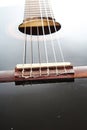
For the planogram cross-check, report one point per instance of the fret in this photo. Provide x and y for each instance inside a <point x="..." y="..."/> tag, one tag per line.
<point x="37" y="11"/>
<point x="34" y="4"/>
<point x="32" y="9"/>
<point x="36" y="14"/>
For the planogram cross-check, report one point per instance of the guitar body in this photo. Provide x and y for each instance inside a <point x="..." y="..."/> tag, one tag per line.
<point x="59" y="106"/>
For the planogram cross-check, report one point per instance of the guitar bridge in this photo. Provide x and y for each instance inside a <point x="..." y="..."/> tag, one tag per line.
<point x="44" y="73"/>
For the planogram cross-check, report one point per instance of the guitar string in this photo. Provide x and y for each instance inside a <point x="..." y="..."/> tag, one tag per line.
<point x="31" y="55"/>
<point x="24" y="50"/>
<point x="56" y="31"/>
<point x="44" y="38"/>
<point x="43" y="31"/>
<point x="39" y="53"/>
<point x="25" y="46"/>
<point x="58" y="41"/>
<point x="44" y="42"/>
<point x="45" y="49"/>
<point x="53" y="49"/>
<point x="31" y="51"/>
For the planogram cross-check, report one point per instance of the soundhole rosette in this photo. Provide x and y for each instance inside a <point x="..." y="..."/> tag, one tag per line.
<point x="38" y="26"/>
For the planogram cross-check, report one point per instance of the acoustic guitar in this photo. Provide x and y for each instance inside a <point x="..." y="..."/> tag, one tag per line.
<point x="39" y="22"/>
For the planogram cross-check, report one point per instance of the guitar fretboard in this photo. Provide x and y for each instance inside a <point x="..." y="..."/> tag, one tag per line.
<point x="37" y="8"/>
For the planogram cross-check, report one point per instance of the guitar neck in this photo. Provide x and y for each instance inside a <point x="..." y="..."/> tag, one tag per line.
<point x="37" y="8"/>
<point x="38" y="15"/>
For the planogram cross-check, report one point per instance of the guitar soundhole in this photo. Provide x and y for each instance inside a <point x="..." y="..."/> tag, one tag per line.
<point x="40" y="29"/>
<point x="44" y="26"/>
